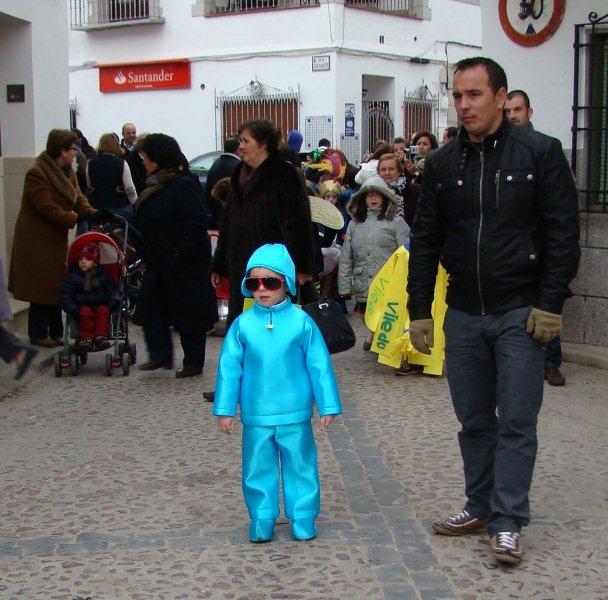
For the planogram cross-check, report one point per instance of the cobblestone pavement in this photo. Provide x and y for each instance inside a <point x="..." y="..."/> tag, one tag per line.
<point x="123" y="488"/>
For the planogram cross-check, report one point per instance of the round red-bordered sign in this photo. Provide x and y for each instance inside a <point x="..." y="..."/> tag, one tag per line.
<point x="530" y="36"/>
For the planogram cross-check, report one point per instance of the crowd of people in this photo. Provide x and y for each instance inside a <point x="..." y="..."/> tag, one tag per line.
<point x="495" y="205"/>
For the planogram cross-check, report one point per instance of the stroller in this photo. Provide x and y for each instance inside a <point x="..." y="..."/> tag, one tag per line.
<point x="73" y="356"/>
<point x="129" y="239"/>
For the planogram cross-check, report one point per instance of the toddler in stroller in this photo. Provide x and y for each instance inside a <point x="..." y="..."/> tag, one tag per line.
<point x="94" y="297"/>
<point x="88" y="294"/>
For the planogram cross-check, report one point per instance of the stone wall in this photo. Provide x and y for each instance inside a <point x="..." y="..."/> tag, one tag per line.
<point x="586" y="313"/>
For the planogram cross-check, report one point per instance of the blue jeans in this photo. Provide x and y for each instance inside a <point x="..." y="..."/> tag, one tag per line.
<point x="553" y="354"/>
<point x="494" y="366"/>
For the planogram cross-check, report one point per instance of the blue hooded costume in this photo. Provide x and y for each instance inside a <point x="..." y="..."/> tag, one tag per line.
<point x="274" y="363"/>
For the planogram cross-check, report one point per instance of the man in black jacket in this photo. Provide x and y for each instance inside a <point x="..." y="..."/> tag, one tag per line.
<point x="499" y="210"/>
<point x="519" y="112"/>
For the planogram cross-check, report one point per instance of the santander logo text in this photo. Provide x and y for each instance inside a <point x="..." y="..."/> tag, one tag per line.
<point x="145" y="76"/>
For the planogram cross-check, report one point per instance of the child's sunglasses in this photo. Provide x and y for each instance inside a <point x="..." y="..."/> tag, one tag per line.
<point x="270" y="283"/>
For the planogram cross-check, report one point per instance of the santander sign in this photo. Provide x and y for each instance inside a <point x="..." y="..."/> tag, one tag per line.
<point x="145" y="76"/>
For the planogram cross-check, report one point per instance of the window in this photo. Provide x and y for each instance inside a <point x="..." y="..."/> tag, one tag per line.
<point x="590" y="112"/>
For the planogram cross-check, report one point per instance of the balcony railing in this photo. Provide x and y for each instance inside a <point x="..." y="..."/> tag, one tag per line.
<point x="405" y="8"/>
<point x="103" y="14"/>
<point x="221" y="7"/>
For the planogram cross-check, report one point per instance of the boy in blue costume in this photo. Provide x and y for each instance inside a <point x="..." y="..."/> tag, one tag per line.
<point x="274" y="363"/>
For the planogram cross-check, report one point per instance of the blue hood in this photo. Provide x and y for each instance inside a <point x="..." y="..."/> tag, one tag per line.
<point x="276" y="258"/>
<point x="294" y="140"/>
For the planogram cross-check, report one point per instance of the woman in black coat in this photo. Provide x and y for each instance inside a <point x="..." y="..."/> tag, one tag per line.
<point x="177" y="254"/>
<point x="268" y="204"/>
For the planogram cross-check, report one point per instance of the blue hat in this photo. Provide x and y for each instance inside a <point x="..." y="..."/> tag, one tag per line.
<point x="294" y="140"/>
<point x="276" y="258"/>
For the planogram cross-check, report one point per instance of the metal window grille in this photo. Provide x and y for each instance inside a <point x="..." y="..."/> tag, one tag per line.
<point x="590" y="112"/>
<point x="280" y="108"/>
<point x="220" y="7"/>
<point x="377" y="124"/>
<point x="419" y="112"/>
<point x="407" y="8"/>
<point x="88" y="13"/>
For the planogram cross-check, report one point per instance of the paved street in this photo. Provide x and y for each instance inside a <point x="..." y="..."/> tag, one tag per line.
<point x="123" y="488"/>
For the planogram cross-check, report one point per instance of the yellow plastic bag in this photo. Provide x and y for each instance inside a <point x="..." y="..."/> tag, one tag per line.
<point x="387" y="316"/>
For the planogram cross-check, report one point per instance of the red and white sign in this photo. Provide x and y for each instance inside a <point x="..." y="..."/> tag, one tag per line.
<point x="145" y="76"/>
<point x="530" y="22"/>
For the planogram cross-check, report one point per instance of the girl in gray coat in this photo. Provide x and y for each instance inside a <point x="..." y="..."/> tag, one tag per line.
<point x="374" y="233"/>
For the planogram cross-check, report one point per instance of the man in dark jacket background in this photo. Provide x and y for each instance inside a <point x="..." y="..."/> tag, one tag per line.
<point x="222" y="167"/>
<point x="499" y="209"/>
<point x="519" y="112"/>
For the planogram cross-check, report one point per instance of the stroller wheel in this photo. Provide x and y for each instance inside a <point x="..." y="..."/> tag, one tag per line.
<point x="126" y="364"/>
<point x="109" y="365"/>
<point x="121" y="349"/>
<point x="133" y="353"/>
<point x="74" y="364"/>
<point x="57" y="364"/>
<point x="83" y="357"/>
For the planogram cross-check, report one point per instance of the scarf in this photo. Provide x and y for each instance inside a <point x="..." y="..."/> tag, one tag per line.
<point x="62" y="180"/>
<point x="399" y="186"/>
<point x="156" y="182"/>
<point x="90" y="279"/>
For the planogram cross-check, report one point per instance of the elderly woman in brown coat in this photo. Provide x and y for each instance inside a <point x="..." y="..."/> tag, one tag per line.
<point x="51" y="205"/>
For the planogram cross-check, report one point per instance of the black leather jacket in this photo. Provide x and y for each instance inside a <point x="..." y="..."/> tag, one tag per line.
<point x="503" y="220"/>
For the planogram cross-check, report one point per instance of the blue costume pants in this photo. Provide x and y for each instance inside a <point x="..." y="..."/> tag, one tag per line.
<point x="294" y="446"/>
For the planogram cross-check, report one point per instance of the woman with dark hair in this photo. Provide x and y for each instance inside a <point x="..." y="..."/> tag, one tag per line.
<point x="84" y="152"/>
<point x="426" y="142"/>
<point x="51" y="205"/>
<point x="268" y="203"/>
<point x="177" y="253"/>
<point x="85" y="147"/>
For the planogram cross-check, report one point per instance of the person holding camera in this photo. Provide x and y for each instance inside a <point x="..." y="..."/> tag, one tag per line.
<point x="423" y="143"/>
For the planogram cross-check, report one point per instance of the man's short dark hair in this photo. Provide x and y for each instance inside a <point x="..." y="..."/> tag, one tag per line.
<point x="496" y="74"/>
<point x="231" y="144"/>
<point x="324" y="142"/>
<point x="521" y="93"/>
<point x="452" y="132"/>
<point x="399" y="140"/>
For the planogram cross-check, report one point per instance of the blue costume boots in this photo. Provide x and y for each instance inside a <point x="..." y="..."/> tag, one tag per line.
<point x="303" y="529"/>
<point x="261" y="530"/>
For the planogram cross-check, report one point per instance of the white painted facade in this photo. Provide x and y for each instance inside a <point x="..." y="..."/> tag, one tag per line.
<point x="274" y="47"/>
<point x="33" y="53"/>
<point x="546" y="73"/>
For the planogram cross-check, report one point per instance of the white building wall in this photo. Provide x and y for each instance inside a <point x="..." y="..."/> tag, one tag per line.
<point x="229" y="51"/>
<point x="545" y="72"/>
<point x="33" y="52"/>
